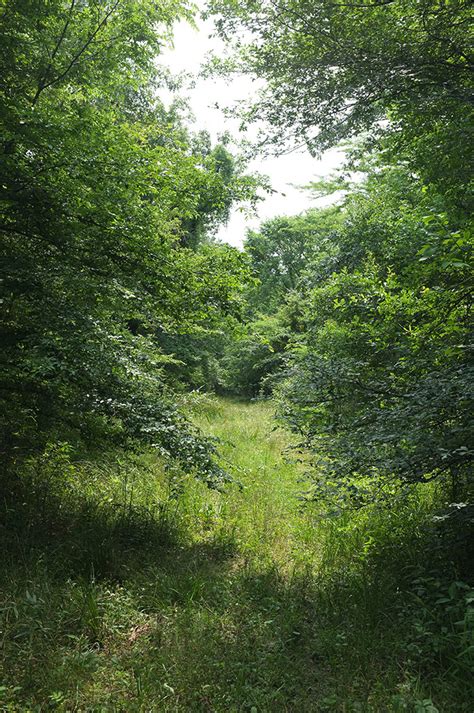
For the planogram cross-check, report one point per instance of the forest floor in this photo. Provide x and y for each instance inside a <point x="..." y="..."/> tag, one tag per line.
<point x="126" y="588"/>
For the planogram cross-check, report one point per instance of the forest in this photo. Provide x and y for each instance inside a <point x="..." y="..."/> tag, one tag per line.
<point x="236" y="478"/>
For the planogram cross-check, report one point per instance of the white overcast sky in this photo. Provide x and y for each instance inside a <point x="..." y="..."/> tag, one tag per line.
<point x="191" y="48"/>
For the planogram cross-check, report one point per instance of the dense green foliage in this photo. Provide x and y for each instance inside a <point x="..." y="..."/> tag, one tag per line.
<point x="380" y="383"/>
<point x="280" y="251"/>
<point x="336" y="574"/>
<point x="278" y="254"/>
<point x="105" y="199"/>
<point x="379" y="372"/>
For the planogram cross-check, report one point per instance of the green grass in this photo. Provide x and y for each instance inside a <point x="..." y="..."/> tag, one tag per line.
<point x="128" y="588"/>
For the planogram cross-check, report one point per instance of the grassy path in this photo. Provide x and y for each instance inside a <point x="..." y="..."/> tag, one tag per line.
<point x="116" y="595"/>
<point x="266" y="516"/>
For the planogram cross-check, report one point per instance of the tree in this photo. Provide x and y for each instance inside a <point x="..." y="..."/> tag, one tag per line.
<point x="227" y="184"/>
<point x="333" y="69"/>
<point x="380" y="383"/>
<point x="279" y="252"/>
<point x="98" y="182"/>
<point x="253" y="359"/>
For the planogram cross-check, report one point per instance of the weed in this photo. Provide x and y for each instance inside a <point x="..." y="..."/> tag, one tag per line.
<point x="126" y="587"/>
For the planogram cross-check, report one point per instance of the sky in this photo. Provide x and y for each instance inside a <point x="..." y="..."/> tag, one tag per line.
<point x="286" y="172"/>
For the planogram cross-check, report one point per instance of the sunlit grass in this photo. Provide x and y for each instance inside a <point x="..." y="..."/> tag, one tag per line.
<point x="129" y="588"/>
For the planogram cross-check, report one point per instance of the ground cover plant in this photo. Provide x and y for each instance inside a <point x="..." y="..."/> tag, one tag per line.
<point x="126" y="587"/>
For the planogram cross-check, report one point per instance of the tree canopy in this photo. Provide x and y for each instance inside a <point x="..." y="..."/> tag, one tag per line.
<point x="333" y="69"/>
<point x="105" y="199"/>
<point x="115" y="292"/>
<point x="377" y="377"/>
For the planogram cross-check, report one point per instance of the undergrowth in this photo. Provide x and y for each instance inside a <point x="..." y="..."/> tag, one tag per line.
<point x="129" y="587"/>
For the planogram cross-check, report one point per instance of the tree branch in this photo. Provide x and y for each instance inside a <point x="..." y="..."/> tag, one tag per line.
<point x="45" y="85"/>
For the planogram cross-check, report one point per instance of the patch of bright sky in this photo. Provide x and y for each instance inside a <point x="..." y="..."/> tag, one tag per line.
<point x="287" y="172"/>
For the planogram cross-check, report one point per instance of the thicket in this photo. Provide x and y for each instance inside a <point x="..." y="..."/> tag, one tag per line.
<point x="115" y="296"/>
<point x="107" y="203"/>
<point x="363" y="313"/>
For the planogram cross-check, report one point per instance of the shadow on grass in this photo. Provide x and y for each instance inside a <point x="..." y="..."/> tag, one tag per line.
<point x="96" y="540"/>
<point x="82" y="580"/>
<point x="116" y="602"/>
<point x="78" y="577"/>
<point x="267" y="642"/>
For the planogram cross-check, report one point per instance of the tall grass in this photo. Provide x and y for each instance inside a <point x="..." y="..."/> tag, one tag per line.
<point x="127" y="587"/>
